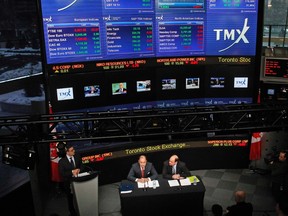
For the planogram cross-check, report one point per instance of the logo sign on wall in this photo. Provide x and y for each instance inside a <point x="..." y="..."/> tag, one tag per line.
<point x="240" y="82"/>
<point x="65" y="94"/>
<point x="233" y="36"/>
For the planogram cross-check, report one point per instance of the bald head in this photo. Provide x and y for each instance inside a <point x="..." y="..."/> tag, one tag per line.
<point x="240" y="196"/>
<point x="142" y="161"/>
<point x="173" y="160"/>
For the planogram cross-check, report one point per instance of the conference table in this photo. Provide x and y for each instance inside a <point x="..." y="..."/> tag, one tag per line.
<point x="164" y="200"/>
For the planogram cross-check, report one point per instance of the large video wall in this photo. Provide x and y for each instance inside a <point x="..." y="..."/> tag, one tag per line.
<point x="120" y="54"/>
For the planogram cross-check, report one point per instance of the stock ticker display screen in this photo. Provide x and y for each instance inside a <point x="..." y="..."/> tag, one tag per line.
<point x="78" y="31"/>
<point x="152" y="47"/>
<point x="276" y="67"/>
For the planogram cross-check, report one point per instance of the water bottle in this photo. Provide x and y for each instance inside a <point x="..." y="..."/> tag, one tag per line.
<point x="154" y="184"/>
<point x="194" y="181"/>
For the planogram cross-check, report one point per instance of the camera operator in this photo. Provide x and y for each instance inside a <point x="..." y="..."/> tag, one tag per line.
<point x="279" y="173"/>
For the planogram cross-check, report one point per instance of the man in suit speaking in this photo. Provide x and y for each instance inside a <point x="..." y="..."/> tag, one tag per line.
<point x="175" y="169"/>
<point x="121" y="89"/>
<point x="70" y="166"/>
<point x="142" y="171"/>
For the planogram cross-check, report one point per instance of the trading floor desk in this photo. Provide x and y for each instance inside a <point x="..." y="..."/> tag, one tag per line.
<point x="164" y="200"/>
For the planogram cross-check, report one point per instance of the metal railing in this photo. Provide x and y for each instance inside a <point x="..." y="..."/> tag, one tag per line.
<point x="148" y="124"/>
<point x="275" y="36"/>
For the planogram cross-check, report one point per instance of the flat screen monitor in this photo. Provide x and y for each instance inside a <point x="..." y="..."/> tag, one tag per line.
<point x="132" y="42"/>
<point x="276" y="69"/>
<point x="92" y="91"/>
<point x="270" y="92"/>
<point x="119" y="88"/>
<point x="217" y="82"/>
<point x="84" y="35"/>
<point x="240" y="82"/>
<point x="65" y="94"/>
<point x="143" y="85"/>
<point x="193" y="83"/>
<point x="168" y="84"/>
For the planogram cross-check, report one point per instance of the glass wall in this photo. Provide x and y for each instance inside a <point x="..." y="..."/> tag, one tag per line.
<point x="19" y="39"/>
<point x="275" y="31"/>
<point x="20" y="58"/>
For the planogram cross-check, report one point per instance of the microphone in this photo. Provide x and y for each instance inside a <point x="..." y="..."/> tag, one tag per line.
<point x="88" y="167"/>
<point x="145" y="186"/>
<point x="180" y="186"/>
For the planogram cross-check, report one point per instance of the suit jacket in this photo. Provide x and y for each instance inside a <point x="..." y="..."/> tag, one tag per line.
<point x="124" y="90"/>
<point x="65" y="167"/>
<point x="149" y="172"/>
<point x="180" y="169"/>
<point x="279" y="171"/>
<point x="240" y="209"/>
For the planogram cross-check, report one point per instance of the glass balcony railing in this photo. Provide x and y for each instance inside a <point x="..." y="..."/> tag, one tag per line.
<point x="275" y="40"/>
<point x="275" y="36"/>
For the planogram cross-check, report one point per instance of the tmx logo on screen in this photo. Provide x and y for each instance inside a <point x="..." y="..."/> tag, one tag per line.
<point x="65" y="94"/>
<point x="234" y="35"/>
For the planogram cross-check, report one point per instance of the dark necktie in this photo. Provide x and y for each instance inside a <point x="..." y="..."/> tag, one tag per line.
<point x="72" y="162"/>
<point x="142" y="172"/>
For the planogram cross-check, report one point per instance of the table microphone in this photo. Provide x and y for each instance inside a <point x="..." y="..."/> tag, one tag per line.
<point x="180" y="186"/>
<point x="145" y="188"/>
<point x="89" y="168"/>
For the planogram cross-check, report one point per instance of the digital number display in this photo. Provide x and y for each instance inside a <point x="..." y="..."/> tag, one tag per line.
<point x="73" y="40"/>
<point x="180" y="36"/>
<point x="128" y="37"/>
<point x="277" y="68"/>
<point x="126" y="4"/>
<point x="232" y="4"/>
<point x="108" y="30"/>
<point x="169" y="4"/>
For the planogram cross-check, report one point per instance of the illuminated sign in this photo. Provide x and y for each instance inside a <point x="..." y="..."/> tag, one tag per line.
<point x="162" y="147"/>
<point x="240" y="82"/>
<point x="65" y="94"/>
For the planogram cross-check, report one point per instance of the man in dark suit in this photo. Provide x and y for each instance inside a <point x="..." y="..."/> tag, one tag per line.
<point x="282" y="205"/>
<point x="121" y="89"/>
<point x="142" y="171"/>
<point x="70" y="166"/>
<point x="279" y="175"/>
<point x="241" y="207"/>
<point x="175" y="169"/>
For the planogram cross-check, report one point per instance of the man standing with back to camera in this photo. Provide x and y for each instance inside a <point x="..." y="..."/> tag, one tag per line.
<point x="241" y="207"/>
<point x="279" y="174"/>
<point x="70" y="166"/>
<point x="175" y="169"/>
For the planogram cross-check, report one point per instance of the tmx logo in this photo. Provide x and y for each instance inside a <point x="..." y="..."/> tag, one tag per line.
<point x="231" y="35"/>
<point x="65" y="94"/>
<point x="241" y="82"/>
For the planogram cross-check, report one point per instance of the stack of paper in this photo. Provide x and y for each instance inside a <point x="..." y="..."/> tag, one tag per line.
<point x="83" y="174"/>
<point x="148" y="184"/>
<point x="185" y="182"/>
<point x="182" y="182"/>
<point x="173" y="183"/>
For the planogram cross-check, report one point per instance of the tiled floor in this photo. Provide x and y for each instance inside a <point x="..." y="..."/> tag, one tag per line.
<point x="220" y="185"/>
